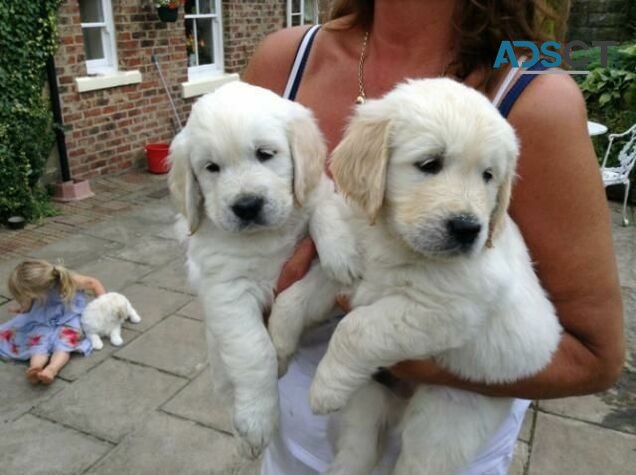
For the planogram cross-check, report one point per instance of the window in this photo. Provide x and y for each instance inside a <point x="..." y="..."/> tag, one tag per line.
<point x="302" y="12"/>
<point x="204" y="39"/>
<point x="96" y="18"/>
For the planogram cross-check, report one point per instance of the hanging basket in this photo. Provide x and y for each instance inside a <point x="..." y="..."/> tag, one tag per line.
<point x="168" y="15"/>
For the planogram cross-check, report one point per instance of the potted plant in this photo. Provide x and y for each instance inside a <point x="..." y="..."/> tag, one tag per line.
<point x="168" y="10"/>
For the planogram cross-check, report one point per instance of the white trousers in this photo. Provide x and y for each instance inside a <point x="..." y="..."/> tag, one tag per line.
<point x="303" y="445"/>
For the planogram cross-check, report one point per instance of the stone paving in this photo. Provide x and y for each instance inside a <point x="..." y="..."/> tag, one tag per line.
<point x="145" y="408"/>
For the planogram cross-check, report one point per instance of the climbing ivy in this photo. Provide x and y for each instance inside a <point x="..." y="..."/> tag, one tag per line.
<point x="28" y="36"/>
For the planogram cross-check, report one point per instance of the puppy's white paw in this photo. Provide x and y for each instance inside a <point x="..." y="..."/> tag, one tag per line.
<point x="341" y="265"/>
<point x="98" y="344"/>
<point x="285" y="349"/>
<point x="325" y="399"/>
<point x="254" y="427"/>
<point x="283" y="363"/>
<point x="116" y="340"/>
<point x="135" y="318"/>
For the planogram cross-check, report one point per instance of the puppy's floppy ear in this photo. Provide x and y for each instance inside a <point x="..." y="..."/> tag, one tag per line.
<point x="308" y="152"/>
<point x="498" y="216"/>
<point x="359" y="163"/>
<point x="182" y="182"/>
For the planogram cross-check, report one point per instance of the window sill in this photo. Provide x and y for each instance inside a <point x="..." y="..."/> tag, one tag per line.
<point x="122" y="78"/>
<point x="198" y="87"/>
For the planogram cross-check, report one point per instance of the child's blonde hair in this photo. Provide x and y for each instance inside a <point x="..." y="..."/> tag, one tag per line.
<point x="31" y="280"/>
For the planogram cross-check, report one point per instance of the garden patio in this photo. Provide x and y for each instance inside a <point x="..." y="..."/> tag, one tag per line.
<point x="145" y="408"/>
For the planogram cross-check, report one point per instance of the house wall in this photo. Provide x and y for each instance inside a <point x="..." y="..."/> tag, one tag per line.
<point x="107" y="129"/>
<point x="245" y="24"/>
<point x="592" y="20"/>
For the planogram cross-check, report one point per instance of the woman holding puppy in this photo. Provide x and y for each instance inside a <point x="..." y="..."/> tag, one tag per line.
<point x="364" y="51"/>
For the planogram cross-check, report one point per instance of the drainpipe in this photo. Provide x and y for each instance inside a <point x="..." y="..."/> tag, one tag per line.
<point x="57" y="117"/>
<point x="69" y="189"/>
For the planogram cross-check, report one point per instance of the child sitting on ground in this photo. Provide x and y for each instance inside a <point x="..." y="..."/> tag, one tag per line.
<point x="47" y="325"/>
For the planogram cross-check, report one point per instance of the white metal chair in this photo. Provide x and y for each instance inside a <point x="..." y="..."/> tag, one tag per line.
<point x="619" y="175"/>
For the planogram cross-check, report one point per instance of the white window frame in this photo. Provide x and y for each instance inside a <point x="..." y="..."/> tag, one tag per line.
<point x="301" y="12"/>
<point x="216" y="68"/>
<point x="108" y="64"/>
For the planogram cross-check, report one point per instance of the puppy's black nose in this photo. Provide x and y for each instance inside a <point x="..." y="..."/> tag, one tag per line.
<point x="464" y="229"/>
<point x="248" y="207"/>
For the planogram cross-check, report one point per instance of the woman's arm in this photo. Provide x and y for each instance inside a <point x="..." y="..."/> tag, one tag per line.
<point x="89" y="283"/>
<point x="560" y="206"/>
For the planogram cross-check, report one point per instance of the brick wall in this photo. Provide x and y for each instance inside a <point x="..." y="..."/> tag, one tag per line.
<point x="107" y="129"/>
<point x="598" y="20"/>
<point x="245" y="24"/>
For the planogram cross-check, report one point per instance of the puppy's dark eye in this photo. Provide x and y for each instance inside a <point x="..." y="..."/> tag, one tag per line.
<point x="213" y="167"/>
<point x="264" y="154"/>
<point x="431" y="166"/>
<point x="487" y="175"/>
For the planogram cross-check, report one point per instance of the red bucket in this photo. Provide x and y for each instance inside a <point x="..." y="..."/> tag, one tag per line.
<point x="157" y="156"/>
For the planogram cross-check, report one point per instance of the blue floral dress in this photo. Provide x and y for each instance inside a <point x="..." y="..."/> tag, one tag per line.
<point x="50" y="325"/>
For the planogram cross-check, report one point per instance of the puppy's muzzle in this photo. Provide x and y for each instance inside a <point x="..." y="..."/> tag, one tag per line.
<point x="463" y="230"/>
<point x="248" y="208"/>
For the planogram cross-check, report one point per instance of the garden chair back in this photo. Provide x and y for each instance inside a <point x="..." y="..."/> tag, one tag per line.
<point x="619" y="175"/>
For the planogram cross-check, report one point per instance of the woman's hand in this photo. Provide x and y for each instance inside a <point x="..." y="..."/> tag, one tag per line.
<point x="298" y="265"/>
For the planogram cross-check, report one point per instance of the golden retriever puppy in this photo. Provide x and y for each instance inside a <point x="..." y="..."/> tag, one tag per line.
<point x="427" y="171"/>
<point x="247" y="177"/>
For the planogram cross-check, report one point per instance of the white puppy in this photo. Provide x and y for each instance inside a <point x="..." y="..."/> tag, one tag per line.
<point x="247" y="174"/>
<point x="446" y="275"/>
<point x="104" y="317"/>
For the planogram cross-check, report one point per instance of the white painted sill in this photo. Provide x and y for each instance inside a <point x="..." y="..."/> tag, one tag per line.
<point x="197" y="87"/>
<point x="121" y="78"/>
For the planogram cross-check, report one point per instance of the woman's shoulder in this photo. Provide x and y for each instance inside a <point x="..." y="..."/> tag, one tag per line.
<point x="271" y="62"/>
<point x="550" y="100"/>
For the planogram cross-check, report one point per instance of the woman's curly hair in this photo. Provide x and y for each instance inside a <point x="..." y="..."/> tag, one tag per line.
<point x="481" y="26"/>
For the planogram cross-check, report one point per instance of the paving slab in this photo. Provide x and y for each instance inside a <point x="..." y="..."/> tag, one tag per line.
<point x="115" y="274"/>
<point x="5" y="315"/>
<point x="566" y="446"/>
<point x="152" y="304"/>
<point x="79" y="364"/>
<point x="198" y="403"/>
<point x="171" y="276"/>
<point x="34" y="446"/>
<point x="192" y="310"/>
<point x="615" y="408"/>
<point x="111" y="399"/>
<point x="76" y="251"/>
<point x="625" y="249"/>
<point x="150" y="250"/>
<point x="525" y="434"/>
<point x="519" y="459"/>
<point x="6" y="267"/>
<point x="17" y="395"/>
<point x="176" y="345"/>
<point x="149" y="220"/>
<point x="168" y="445"/>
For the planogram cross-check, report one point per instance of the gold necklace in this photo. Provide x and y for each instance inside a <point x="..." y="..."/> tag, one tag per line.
<point x="362" y="96"/>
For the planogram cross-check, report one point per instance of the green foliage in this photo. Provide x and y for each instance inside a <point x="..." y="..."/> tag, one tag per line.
<point x="610" y="92"/>
<point x="28" y="36"/>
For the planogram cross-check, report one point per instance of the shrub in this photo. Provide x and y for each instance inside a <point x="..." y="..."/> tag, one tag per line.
<point x="610" y="92"/>
<point x="28" y="35"/>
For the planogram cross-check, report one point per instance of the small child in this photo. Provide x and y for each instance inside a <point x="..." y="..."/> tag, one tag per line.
<point x="47" y="325"/>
